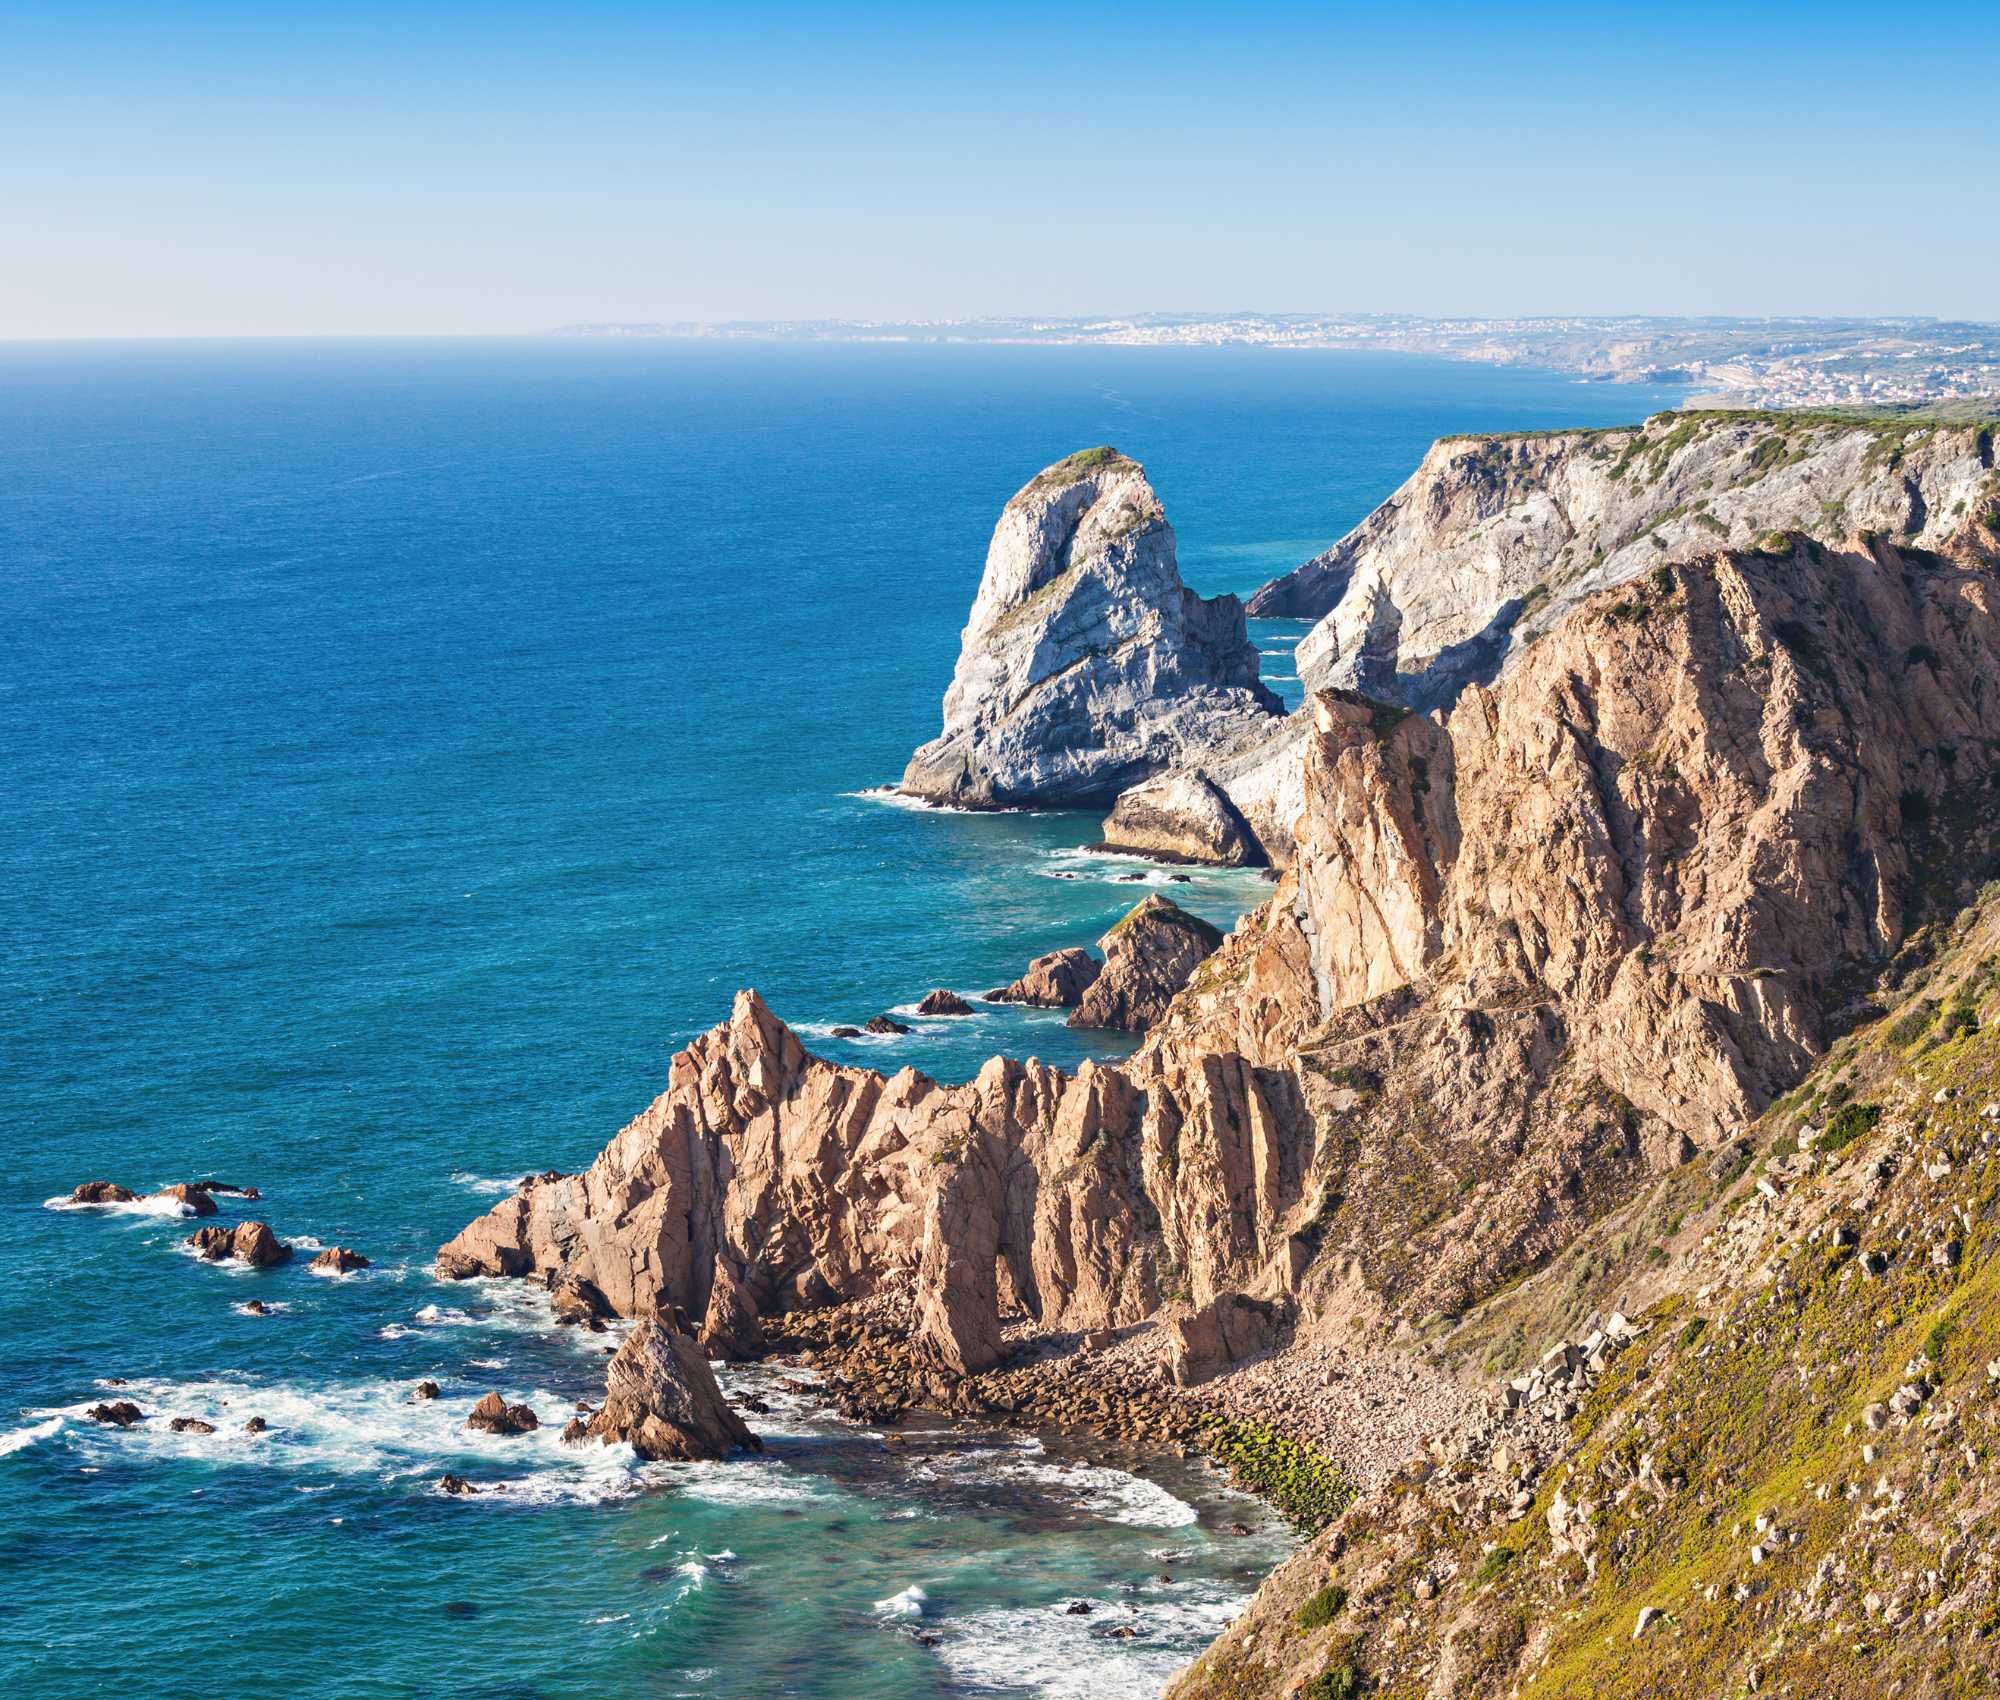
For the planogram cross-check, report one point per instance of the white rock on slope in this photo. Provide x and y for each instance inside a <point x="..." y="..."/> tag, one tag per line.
<point x="1087" y="666"/>
<point x="1493" y="539"/>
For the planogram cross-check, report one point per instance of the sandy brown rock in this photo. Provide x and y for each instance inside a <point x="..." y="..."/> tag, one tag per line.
<point x="661" y="1398"/>
<point x="101" y="1192"/>
<point x="1055" y="981"/>
<point x="1183" y="816"/>
<point x="1148" y="957"/>
<point x="942" y="1002"/>
<point x="248" y="1242"/>
<point x="194" y="1198"/>
<point x="338" y="1260"/>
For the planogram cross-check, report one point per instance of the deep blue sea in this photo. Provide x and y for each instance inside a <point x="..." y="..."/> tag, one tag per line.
<point x="404" y="748"/>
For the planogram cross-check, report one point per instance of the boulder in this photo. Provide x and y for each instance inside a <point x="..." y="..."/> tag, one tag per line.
<point x="338" y="1260"/>
<point x="194" y="1199"/>
<point x="120" y="1413"/>
<point x="256" y="1425"/>
<point x="1086" y="665"/>
<point x="1055" y="981"/>
<point x="942" y="1002"/>
<point x="883" y="1024"/>
<point x="424" y="1390"/>
<point x="454" y="1485"/>
<point x="248" y="1242"/>
<point x="1226" y="1330"/>
<point x="661" y="1398"/>
<point x="846" y="1033"/>
<point x="493" y="1415"/>
<point x="1148" y="957"/>
<point x="191" y="1425"/>
<point x="577" y="1303"/>
<point x="102" y="1192"/>
<point x="1182" y="817"/>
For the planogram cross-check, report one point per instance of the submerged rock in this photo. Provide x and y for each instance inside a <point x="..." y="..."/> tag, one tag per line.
<point x="661" y="1398"/>
<point x="942" y="1002"/>
<point x="1148" y="957"/>
<point x="454" y="1485"/>
<point x="1055" y="981"/>
<point x="1086" y="665"/>
<point x="191" y="1425"/>
<point x="493" y="1415"/>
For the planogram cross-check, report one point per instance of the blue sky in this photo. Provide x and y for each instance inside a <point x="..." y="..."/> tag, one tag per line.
<point x="221" y="169"/>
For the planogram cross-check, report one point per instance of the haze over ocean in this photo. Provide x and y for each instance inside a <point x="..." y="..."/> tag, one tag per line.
<point x="408" y="746"/>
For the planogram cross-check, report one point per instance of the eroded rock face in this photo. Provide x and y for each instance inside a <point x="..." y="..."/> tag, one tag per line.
<point x="1086" y="665"/>
<point x="1225" y="1331"/>
<point x="1494" y="540"/>
<point x="1148" y="957"/>
<point x="662" y="1399"/>
<point x="338" y="1260"/>
<point x="1055" y="981"/>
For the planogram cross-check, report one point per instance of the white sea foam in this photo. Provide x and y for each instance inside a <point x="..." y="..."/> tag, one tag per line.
<point x="270" y="1305"/>
<point x="1096" y="1490"/>
<point x="909" y="1602"/>
<point x="1061" y="1657"/>
<point x="373" y="1428"/>
<point x="152" y="1204"/>
<point x="903" y="800"/>
<point x="25" y="1437"/>
<point x="491" y="1186"/>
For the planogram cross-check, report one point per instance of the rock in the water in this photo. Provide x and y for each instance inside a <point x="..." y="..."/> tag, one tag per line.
<point x="942" y="1002"/>
<point x="424" y="1390"/>
<point x="883" y="1024"/>
<point x="254" y="1307"/>
<point x="1086" y="665"/>
<point x="194" y="1198"/>
<point x="1183" y="817"/>
<point x="660" y="1397"/>
<point x="1148" y="957"/>
<point x="575" y="1432"/>
<point x="1055" y="981"/>
<point x="493" y="1415"/>
<point x="577" y="1303"/>
<point x="455" y="1484"/>
<point x="120" y="1413"/>
<point x="256" y="1425"/>
<point x="191" y="1425"/>
<point x="846" y="1033"/>
<point x="102" y="1192"/>
<point x="338" y="1260"/>
<point x="248" y="1242"/>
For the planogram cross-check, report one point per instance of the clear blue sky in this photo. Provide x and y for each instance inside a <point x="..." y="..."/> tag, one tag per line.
<point x="225" y="169"/>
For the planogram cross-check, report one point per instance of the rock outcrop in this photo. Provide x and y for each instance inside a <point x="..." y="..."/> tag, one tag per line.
<point x="1494" y="539"/>
<point x="338" y="1260"/>
<point x="493" y="1415"/>
<point x="1228" y="1329"/>
<point x="119" y="1413"/>
<point x="1086" y="666"/>
<point x="943" y="1002"/>
<point x="1148" y="957"/>
<point x="662" y="1400"/>
<point x="1182" y="817"/>
<point x="101" y="1192"/>
<point x="194" y="1200"/>
<point x="248" y="1242"/>
<point x="1055" y="981"/>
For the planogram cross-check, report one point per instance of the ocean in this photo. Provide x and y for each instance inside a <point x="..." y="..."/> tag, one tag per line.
<point x="406" y="747"/>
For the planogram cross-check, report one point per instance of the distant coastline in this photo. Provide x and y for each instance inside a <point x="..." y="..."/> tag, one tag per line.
<point x="1772" y="363"/>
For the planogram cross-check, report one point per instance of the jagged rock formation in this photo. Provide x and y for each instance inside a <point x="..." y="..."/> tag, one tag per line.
<point x="1494" y="539"/>
<point x="1148" y="957"/>
<point x="493" y="1415"/>
<point x="248" y="1242"/>
<point x="1055" y="981"/>
<point x="1086" y="665"/>
<point x="101" y="1192"/>
<point x="661" y="1399"/>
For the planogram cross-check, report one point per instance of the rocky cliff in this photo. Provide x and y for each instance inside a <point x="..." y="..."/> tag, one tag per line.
<point x="1086" y="665"/>
<point x="1537" y="966"/>
<point x="1493" y="539"/>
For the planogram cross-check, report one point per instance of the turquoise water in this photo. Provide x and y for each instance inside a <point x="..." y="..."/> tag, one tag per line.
<point x="407" y="747"/>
